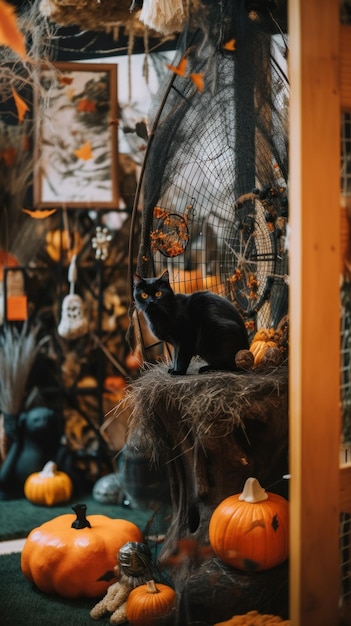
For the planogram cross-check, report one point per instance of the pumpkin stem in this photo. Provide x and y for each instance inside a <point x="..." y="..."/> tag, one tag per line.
<point x="81" y="521"/>
<point x="48" y="470"/>
<point x="151" y="586"/>
<point x="253" y="492"/>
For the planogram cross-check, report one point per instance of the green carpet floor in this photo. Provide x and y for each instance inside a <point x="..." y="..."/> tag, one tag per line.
<point x="21" y="604"/>
<point x="19" y="517"/>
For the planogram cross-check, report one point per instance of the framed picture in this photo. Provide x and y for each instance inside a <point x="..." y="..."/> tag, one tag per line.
<point x="76" y="156"/>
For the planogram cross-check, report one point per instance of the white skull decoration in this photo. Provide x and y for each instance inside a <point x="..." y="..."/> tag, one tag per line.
<point x="73" y="323"/>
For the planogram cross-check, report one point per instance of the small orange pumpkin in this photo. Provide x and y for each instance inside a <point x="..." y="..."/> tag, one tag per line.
<point x="258" y="348"/>
<point x="49" y="486"/>
<point x="148" y="603"/>
<point x="249" y="531"/>
<point x="133" y="360"/>
<point x="115" y="387"/>
<point x="74" y="556"/>
<point x="115" y="383"/>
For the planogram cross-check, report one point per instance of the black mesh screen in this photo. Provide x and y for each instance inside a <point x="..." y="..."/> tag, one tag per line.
<point x="215" y="209"/>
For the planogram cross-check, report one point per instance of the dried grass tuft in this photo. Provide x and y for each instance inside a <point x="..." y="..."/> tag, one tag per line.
<point x="209" y="405"/>
<point x="18" y="351"/>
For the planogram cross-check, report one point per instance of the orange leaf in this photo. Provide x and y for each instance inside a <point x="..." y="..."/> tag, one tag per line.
<point x="86" y="106"/>
<point x="39" y="215"/>
<point x="9" y="33"/>
<point x="198" y="80"/>
<point x="181" y="67"/>
<point x="230" y="45"/>
<point x="21" y="106"/>
<point x="65" y="80"/>
<point x="8" y="156"/>
<point x="85" y="152"/>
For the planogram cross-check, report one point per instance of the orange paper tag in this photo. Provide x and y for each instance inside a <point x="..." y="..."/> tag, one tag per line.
<point x="16" y="308"/>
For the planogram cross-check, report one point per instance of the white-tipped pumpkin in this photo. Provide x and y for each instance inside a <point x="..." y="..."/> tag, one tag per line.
<point x="48" y="487"/>
<point x="250" y="530"/>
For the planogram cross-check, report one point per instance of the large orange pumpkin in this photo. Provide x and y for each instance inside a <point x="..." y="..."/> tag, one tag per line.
<point x="249" y="531"/>
<point x="148" y="603"/>
<point x="71" y="554"/>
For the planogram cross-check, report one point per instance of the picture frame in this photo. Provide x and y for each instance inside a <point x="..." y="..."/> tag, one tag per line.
<point x="76" y="152"/>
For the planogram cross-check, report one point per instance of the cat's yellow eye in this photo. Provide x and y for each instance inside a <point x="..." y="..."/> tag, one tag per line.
<point x="144" y="295"/>
<point x="158" y="294"/>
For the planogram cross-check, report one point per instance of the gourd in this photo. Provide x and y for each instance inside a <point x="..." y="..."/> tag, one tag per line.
<point x="249" y="531"/>
<point x="49" y="486"/>
<point x="258" y="348"/>
<point x="148" y="603"/>
<point x="244" y="360"/>
<point x="73" y="555"/>
<point x="254" y="618"/>
<point x="262" y="342"/>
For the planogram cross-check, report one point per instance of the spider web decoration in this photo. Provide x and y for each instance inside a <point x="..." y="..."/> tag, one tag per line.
<point x="215" y="208"/>
<point x="254" y="257"/>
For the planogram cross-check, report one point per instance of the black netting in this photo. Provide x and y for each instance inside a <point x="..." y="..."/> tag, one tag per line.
<point x="215" y="171"/>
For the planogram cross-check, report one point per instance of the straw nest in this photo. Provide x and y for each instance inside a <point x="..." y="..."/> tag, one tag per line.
<point x="96" y="16"/>
<point x="210" y="405"/>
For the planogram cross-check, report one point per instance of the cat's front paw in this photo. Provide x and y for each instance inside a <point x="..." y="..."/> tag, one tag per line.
<point x="174" y="372"/>
<point x="206" y="368"/>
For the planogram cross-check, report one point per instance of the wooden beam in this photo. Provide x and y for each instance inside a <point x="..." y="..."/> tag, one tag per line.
<point x="345" y="488"/>
<point x="345" y="68"/>
<point x="314" y="354"/>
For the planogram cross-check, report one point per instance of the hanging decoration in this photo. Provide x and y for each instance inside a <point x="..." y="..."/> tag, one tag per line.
<point x="165" y="16"/>
<point x="73" y="322"/>
<point x="100" y="243"/>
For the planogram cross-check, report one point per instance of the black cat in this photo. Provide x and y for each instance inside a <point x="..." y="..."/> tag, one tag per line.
<point x="202" y="323"/>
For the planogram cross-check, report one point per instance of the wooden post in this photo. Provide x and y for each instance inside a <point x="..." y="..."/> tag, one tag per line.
<point x="314" y="379"/>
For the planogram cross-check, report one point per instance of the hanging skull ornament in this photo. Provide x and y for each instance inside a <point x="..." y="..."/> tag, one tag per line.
<point x="73" y="322"/>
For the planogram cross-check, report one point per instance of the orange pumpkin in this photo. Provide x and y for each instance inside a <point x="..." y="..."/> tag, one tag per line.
<point x="133" y="360"/>
<point x="115" y="383"/>
<point x="59" y="242"/>
<point x="49" y="486"/>
<point x="258" y="348"/>
<point x="249" y="531"/>
<point x="70" y="555"/>
<point x="185" y="281"/>
<point x="114" y="388"/>
<point x="213" y="283"/>
<point x="148" y="603"/>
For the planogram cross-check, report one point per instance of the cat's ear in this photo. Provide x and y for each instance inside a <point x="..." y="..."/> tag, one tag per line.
<point x="137" y="279"/>
<point x="165" y="276"/>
